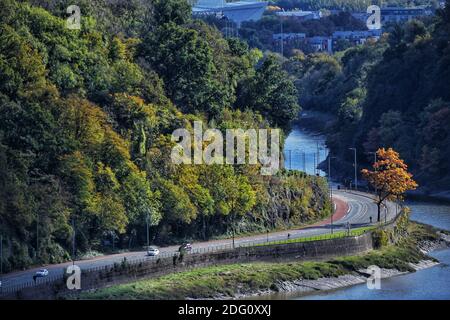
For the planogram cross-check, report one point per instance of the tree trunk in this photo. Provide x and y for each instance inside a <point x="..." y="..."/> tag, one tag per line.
<point x="379" y="211"/>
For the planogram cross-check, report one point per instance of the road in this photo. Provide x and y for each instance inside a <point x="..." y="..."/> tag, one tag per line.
<point x="350" y="207"/>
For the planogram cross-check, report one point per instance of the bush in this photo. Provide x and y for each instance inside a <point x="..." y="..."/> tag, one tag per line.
<point x="380" y="238"/>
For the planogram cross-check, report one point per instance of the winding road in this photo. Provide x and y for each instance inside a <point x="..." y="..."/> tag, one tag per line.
<point x="351" y="207"/>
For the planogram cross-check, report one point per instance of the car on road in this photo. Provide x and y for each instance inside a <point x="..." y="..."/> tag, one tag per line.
<point x="185" y="247"/>
<point x="41" y="273"/>
<point x="152" y="251"/>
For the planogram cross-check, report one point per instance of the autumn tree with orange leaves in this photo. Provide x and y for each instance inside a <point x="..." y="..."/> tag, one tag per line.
<point x="390" y="177"/>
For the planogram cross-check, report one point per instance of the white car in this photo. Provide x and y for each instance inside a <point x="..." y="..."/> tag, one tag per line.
<point x="152" y="252"/>
<point x="41" y="273"/>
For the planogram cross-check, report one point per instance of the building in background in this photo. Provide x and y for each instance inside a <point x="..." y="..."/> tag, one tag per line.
<point x="301" y="15"/>
<point x="321" y="44"/>
<point x="397" y="14"/>
<point x="236" y="11"/>
<point x="357" y="37"/>
<point x="288" y="36"/>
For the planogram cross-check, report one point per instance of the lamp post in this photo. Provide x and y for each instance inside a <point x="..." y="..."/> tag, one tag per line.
<point x="1" y="255"/>
<point x="356" y="169"/>
<point x="331" y="189"/>
<point x="282" y="37"/>
<point x="385" y="214"/>
<point x="148" y="237"/>
<point x="73" y="241"/>
<point x="304" y="161"/>
<point x="290" y="159"/>
<point x="375" y="161"/>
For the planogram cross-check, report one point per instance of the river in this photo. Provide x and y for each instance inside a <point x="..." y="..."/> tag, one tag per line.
<point x="428" y="284"/>
<point x="304" y="149"/>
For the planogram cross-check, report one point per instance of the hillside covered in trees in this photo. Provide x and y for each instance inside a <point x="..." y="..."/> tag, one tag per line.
<point x="392" y="93"/>
<point x="86" y="118"/>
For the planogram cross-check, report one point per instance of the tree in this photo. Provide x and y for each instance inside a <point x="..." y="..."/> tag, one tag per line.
<point x="177" y="11"/>
<point x="390" y="177"/>
<point x="272" y="93"/>
<point x="186" y="64"/>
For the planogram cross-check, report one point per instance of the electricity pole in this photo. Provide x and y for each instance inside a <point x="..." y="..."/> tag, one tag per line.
<point x="356" y="169"/>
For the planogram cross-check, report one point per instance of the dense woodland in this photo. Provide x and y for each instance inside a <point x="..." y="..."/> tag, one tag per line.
<point x="392" y="93"/>
<point x="86" y="118"/>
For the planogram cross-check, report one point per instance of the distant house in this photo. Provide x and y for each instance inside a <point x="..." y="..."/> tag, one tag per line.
<point x="397" y="14"/>
<point x="300" y="15"/>
<point x="288" y="36"/>
<point x="321" y="44"/>
<point x="356" y="37"/>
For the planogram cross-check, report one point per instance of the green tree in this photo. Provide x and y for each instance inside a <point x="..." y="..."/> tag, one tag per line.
<point x="167" y="11"/>
<point x="272" y="93"/>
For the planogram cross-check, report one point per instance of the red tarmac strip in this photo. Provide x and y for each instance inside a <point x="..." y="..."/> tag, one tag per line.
<point x="340" y="212"/>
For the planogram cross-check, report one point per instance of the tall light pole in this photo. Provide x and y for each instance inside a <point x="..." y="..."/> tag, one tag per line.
<point x="315" y="166"/>
<point x="375" y="161"/>
<point x="290" y="159"/>
<point x="282" y="37"/>
<point x="37" y="237"/>
<point x="331" y="189"/>
<point x="318" y="156"/>
<point x="1" y="255"/>
<point x="148" y="237"/>
<point x="304" y="161"/>
<point x="73" y="241"/>
<point x="356" y="169"/>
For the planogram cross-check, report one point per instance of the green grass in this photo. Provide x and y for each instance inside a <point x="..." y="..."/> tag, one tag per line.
<point x="228" y="280"/>
<point x="328" y="236"/>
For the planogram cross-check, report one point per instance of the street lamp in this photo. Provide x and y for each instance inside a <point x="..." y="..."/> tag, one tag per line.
<point x="331" y="189"/>
<point x="73" y="241"/>
<point x="304" y="161"/>
<point x="282" y="37"/>
<point x="290" y="159"/>
<point x="148" y="238"/>
<point x="356" y="169"/>
<point x="1" y="255"/>
<point x="375" y="161"/>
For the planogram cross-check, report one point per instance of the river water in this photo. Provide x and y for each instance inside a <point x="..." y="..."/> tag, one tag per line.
<point x="428" y="284"/>
<point x="304" y="149"/>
